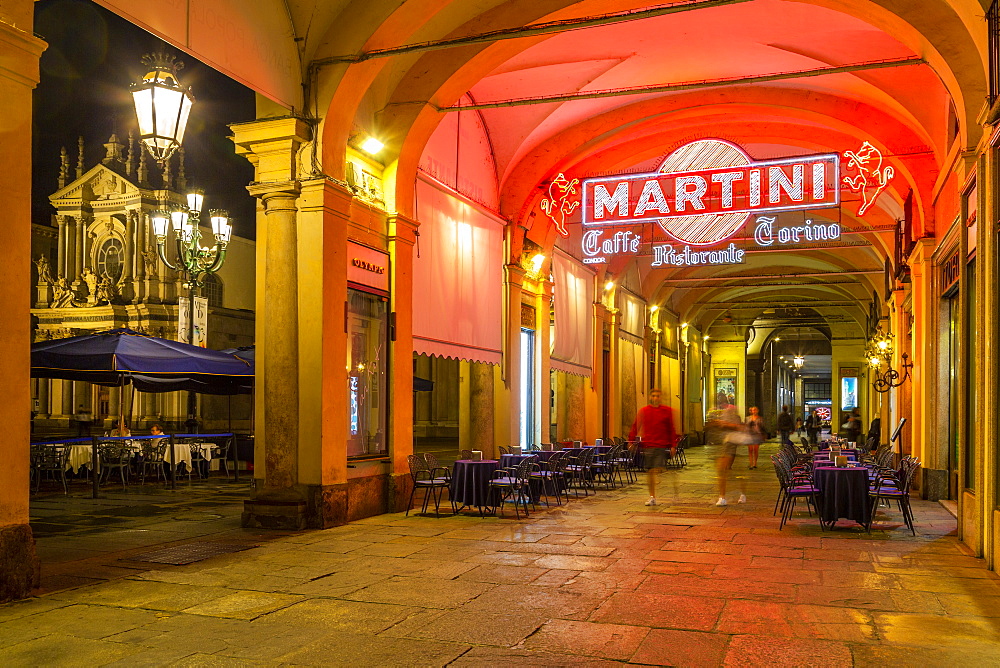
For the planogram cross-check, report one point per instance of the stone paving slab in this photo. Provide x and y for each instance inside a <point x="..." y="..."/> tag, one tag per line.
<point x="600" y="581"/>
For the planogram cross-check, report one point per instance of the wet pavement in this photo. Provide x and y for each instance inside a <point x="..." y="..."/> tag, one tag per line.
<point x="603" y="580"/>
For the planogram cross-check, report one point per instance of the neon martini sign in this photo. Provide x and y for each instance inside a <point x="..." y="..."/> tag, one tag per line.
<point x="704" y="193"/>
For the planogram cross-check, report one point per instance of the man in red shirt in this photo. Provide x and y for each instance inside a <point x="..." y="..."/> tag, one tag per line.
<point x="655" y="425"/>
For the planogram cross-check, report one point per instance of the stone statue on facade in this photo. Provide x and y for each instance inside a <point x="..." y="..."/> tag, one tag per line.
<point x="150" y="259"/>
<point x="62" y="294"/>
<point x="90" y="278"/>
<point x="44" y="270"/>
<point x="105" y="290"/>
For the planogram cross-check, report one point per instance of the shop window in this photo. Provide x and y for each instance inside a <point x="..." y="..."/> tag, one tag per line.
<point x="366" y="378"/>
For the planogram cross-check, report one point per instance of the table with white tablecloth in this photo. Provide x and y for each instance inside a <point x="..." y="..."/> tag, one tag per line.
<point x="80" y="455"/>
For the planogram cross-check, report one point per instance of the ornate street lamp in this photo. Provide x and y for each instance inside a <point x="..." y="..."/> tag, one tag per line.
<point x="162" y="106"/>
<point x="190" y="258"/>
<point x="879" y="352"/>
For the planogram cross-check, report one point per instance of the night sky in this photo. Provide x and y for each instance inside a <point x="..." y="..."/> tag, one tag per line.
<point x="92" y="58"/>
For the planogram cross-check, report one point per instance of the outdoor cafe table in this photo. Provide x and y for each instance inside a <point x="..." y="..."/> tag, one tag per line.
<point x="470" y="483"/>
<point x="827" y="455"/>
<point x="507" y="461"/>
<point x="599" y="449"/>
<point x="842" y="494"/>
<point x="80" y="455"/>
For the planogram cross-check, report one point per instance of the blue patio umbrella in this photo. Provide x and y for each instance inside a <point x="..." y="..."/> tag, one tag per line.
<point x="152" y="364"/>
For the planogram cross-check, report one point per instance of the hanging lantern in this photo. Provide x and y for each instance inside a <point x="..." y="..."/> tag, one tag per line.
<point x="162" y="106"/>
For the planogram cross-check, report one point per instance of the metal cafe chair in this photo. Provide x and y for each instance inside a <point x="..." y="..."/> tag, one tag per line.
<point x="114" y="456"/>
<point x="153" y="452"/>
<point x="422" y="477"/>
<point x="514" y="486"/>
<point x="51" y="458"/>
<point x="892" y="486"/>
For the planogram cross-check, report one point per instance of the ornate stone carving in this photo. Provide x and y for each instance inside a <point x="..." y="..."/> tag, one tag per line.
<point x="44" y="270"/>
<point x="150" y="259"/>
<point x="63" y="295"/>
<point x="106" y="290"/>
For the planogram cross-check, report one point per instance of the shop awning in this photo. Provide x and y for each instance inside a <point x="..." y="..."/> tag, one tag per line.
<point x="457" y="278"/>
<point x="632" y="326"/>
<point x="573" y="334"/>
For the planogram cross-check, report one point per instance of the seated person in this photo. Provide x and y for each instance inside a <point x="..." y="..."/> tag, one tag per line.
<point x="151" y="444"/>
<point x="121" y="429"/>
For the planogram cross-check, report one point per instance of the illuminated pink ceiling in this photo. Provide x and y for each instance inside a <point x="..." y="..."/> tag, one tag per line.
<point x="761" y="37"/>
<point x="905" y="111"/>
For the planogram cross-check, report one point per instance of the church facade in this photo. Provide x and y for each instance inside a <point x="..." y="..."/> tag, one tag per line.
<point x="96" y="268"/>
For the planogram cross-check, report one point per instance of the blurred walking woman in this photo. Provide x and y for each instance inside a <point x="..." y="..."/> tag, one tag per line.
<point x="726" y="428"/>
<point x="758" y="434"/>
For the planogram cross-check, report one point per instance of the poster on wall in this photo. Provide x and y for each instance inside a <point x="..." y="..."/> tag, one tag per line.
<point x="725" y="383"/>
<point x="848" y="393"/>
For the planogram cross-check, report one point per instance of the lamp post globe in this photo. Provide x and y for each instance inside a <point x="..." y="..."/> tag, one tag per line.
<point x="162" y="106"/>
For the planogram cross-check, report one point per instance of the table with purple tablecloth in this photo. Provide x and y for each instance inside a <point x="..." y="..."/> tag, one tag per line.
<point x="508" y="461"/>
<point x="843" y="494"/>
<point x="470" y="483"/>
<point x="827" y="456"/>
<point x="598" y="449"/>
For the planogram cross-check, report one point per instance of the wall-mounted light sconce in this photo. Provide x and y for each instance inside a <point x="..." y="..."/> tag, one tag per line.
<point x="879" y="353"/>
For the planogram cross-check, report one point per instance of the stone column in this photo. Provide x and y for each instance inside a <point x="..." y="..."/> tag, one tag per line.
<point x="933" y="453"/>
<point x="513" y="279"/>
<point x="60" y="268"/>
<point x="44" y="409"/>
<point x="72" y="271"/>
<point x="78" y="255"/>
<point x="482" y="408"/>
<point x="402" y="238"/>
<point x="575" y="414"/>
<point x="19" y="51"/>
<point x="280" y="354"/>
<point x="272" y="145"/>
<point x="128" y="270"/>
<point x="614" y="376"/>
<point x="56" y="387"/>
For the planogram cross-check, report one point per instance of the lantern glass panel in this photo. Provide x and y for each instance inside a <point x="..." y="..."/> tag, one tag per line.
<point x="143" y="99"/>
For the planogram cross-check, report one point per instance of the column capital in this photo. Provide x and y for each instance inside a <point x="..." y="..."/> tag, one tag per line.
<point x="272" y="146"/>
<point x="22" y="50"/>
<point x="515" y="274"/>
<point x="403" y="229"/>
<point x="275" y="190"/>
<point x="923" y="249"/>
